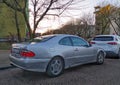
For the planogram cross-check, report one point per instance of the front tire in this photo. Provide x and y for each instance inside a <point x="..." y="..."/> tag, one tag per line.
<point x="100" y="58"/>
<point x="55" y="67"/>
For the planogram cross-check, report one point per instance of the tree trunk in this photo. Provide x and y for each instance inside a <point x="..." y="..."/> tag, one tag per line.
<point x="17" y="26"/>
<point x="27" y="24"/>
<point x="113" y="26"/>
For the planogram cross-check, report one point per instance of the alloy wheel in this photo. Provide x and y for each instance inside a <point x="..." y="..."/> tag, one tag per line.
<point x="55" y="67"/>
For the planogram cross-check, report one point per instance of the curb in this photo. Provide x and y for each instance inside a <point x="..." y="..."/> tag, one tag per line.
<point x="6" y="67"/>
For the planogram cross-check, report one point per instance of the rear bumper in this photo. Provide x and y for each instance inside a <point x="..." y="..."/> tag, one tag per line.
<point x="111" y="54"/>
<point x="37" y="65"/>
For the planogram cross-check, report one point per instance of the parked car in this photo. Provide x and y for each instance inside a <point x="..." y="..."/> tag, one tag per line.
<point x="54" y="53"/>
<point x="110" y="43"/>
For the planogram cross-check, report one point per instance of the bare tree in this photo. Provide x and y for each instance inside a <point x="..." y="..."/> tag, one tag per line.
<point x="115" y="19"/>
<point x="46" y="7"/>
<point x="41" y="8"/>
<point x="17" y="24"/>
<point x="80" y="28"/>
<point x="88" y="21"/>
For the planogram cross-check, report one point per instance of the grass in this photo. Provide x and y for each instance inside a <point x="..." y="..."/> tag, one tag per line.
<point x="5" y="46"/>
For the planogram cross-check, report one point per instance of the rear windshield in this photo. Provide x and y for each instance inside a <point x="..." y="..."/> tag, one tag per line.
<point x="41" y="39"/>
<point x="103" y="38"/>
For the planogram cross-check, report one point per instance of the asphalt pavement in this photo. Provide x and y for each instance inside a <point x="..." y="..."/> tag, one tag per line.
<point x="4" y="59"/>
<point x="89" y="74"/>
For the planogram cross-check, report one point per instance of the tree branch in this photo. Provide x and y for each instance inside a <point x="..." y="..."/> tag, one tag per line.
<point x="12" y="6"/>
<point x="42" y="16"/>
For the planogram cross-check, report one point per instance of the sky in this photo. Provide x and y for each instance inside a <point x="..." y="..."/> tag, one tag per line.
<point x="77" y="10"/>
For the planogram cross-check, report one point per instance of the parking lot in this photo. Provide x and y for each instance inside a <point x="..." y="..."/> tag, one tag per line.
<point x="90" y="74"/>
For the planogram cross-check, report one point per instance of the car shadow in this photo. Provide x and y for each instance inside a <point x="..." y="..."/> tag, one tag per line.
<point x="77" y="68"/>
<point x="41" y="76"/>
<point x="21" y="75"/>
<point x="111" y="57"/>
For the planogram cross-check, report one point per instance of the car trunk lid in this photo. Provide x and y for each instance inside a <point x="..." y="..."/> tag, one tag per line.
<point x="17" y="48"/>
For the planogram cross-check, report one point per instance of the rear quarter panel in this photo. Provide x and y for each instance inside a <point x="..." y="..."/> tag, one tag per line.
<point x="40" y="50"/>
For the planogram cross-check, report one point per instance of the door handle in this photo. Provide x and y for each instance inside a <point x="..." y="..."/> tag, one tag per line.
<point x="76" y="49"/>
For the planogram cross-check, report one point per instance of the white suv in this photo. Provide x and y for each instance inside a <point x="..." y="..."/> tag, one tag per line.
<point x="110" y="43"/>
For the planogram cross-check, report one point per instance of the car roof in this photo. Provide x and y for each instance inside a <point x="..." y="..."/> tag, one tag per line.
<point x="106" y="35"/>
<point x="60" y="35"/>
<point x="57" y="35"/>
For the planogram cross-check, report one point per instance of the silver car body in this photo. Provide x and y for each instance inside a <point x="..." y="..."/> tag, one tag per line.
<point x="46" y="51"/>
<point x="110" y="43"/>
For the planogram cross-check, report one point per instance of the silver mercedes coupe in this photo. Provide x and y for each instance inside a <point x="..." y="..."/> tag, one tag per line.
<point x="54" y="53"/>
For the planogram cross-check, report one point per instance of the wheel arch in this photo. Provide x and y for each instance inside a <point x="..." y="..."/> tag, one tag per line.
<point x="101" y="50"/>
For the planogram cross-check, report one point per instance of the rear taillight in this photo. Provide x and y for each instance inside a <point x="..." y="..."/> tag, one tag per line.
<point x="92" y="42"/>
<point x="112" y="43"/>
<point x="27" y="53"/>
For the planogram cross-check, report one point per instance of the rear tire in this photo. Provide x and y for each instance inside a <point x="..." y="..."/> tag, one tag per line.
<point x="100" y="58"/>
<point x="55" y="67"/>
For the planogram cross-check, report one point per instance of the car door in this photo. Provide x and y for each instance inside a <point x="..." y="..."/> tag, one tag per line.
<point x="67" y="50"/>
<point x="83" y="52"/>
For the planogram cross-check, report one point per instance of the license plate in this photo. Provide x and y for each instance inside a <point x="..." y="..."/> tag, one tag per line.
<point x="17" y="51"/>
<point x="14" y="54"/>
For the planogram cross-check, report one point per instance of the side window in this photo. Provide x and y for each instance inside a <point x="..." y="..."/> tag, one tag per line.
<point x="78" y="42"/>
<point x="65" y="41"/>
